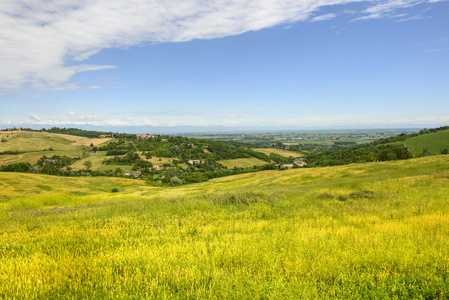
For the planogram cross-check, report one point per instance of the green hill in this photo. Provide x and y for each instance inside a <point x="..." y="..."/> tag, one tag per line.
<point x="403" y="146"/>
<point x="435" y="142"/>
<point x="360" y="231"/>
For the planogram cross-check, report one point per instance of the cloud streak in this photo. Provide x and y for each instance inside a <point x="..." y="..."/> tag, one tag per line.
<point x="324" y="17"/>
<point x="385" y="8"/>
<point x="44" y="42"/>
<point x="242" y="119"/>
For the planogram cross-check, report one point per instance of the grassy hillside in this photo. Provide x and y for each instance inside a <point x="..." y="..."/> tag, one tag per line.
<point x="242" y="162"/>
<point x="378" y="230"/>
<point x="95" y="158"/>
<point x="435" y="142"/>
<point x="37" y="141"/>
<point x="14" y="185"/>
<point x="278" y="151"/>
<point x="37" y="144"/>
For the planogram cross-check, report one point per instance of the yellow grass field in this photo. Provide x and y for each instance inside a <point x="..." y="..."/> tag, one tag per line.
<point x="34" y="144"/>
<point x="242" y="162"/>
<point x="281" y="152"/>
<point x="360" y="231"/>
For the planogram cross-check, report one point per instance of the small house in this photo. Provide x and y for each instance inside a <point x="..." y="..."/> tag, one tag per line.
<point x="195" y="161"/>
<point x="135" y="173"/>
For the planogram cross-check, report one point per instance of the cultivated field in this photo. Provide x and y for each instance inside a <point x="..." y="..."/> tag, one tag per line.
<point x="362" y="231"/>
<point x="434" y="142"/>
<point x="278" y="151"/>
<point x="242" y="162"/>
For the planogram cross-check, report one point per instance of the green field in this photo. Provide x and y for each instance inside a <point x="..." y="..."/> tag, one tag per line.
<point x="97" y="163"/>
<point x="242" y="162"/>
<point x="434" y="142"/>
<point x="278" y="151"/>
<point x="362" y="231"/>
<point x="95" y="158"/>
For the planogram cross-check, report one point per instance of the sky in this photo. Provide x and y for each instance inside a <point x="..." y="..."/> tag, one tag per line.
<point x="202" y="65"/>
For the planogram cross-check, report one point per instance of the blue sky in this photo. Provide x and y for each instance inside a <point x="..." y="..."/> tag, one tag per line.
<point x="248" y="64"/>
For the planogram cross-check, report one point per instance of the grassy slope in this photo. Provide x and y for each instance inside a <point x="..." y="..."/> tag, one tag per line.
<point x="35" y="142"/>
<point x="242" y="162"/>
<point x="14" y="185"/>
<point x="378" y="230"/>
<point x="434" y="142"/>
<point x="281" y="152"/>
<point x="95" y="158"/>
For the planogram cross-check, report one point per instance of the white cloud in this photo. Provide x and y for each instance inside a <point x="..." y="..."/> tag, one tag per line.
<point x="34" y="117"/>
<point x="385" y="8"/>
<point x="417" y="17"/>
<point x="194" y="118"/>
<point x="324" y="17"/>
<point x="42" y="42"/>
<point x="436" y="50"/>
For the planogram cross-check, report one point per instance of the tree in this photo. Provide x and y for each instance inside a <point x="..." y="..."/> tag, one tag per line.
<point x="426" y="152"/>
<point x="175" y="181"/>
<point x="175" y="150"/>
<point x="87" y="164"/>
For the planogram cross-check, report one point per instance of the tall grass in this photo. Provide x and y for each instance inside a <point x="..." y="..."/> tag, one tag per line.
<point x="298" y="238"/>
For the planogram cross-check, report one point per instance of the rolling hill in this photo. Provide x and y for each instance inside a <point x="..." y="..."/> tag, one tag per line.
<point x="32" y="145"/>
<point x="377" y="230"/>
<point x="435" y="142"/>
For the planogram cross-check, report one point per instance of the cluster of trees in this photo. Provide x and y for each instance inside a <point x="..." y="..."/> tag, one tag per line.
<point x="22" y="167"/>
<point x="87" y="133"/>
<point x="44" y="165"/>
<point x="358" y="154"/>
<point x="183" y="148"/>
<point x="76" y="132"/>
<point x="130" y="158"/>
<point x="200" y="173"/>
<point x="11" y="152"/>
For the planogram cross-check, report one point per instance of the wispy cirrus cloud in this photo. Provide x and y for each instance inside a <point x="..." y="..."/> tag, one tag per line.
<point x="437" y="50"/>
<point x="386" y="8"/>
<point x="324" y="17"/>
<point x="43" y="43"/>
<point x="417" y="17"/>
